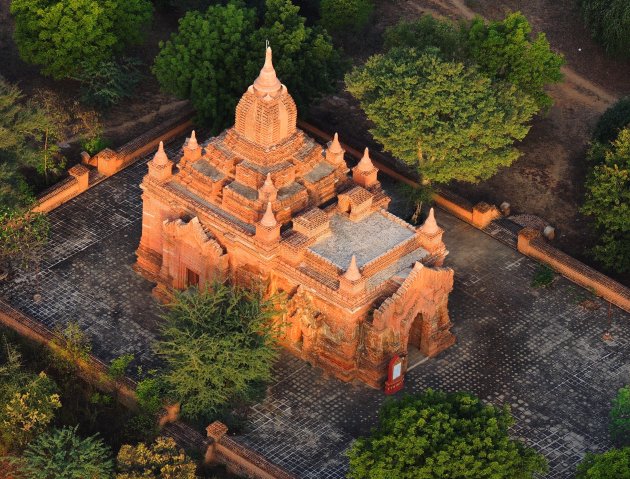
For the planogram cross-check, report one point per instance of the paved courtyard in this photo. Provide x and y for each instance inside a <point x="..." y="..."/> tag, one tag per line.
<point x="537" y="350"/>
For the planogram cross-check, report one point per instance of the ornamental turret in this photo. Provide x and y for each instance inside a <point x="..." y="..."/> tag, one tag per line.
<point x="352" y="283"/>
<point x="191" y="149"/>
<point x="268" y="228"/>
<point x="160" y="167"/>
<point x="365" y="173"/>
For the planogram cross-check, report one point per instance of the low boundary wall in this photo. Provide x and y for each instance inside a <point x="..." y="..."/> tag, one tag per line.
<point x="530" y="241"/>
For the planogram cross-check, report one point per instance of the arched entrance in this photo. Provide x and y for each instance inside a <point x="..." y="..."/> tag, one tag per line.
<point x="414" y="355"/>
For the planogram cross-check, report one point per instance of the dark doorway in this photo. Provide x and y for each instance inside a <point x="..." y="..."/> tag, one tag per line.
<point x="192" y="278"/>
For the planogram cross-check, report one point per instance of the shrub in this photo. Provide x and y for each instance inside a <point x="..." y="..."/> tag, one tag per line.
<point x="106" y="83"/>
<point x="543" y="276"/>
<point x="608" y="465"/>
<point x="620" y="418"/>
<point x="615" y="119"/>
<point x="160" y="460"/>
<point x="438" y="434"/>
<point x="609" y="22"/>
<point x="345" y="17"/>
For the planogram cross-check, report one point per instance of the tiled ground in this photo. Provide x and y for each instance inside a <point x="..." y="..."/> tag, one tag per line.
<point x="537" y="350"/>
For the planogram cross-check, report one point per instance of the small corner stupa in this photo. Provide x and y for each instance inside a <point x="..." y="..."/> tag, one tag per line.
<point x="263" y="202"/>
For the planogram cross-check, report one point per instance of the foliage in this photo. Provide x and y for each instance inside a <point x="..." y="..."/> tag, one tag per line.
<point x="616" y="118"/>
<point x="614" y="463"/>
<point x="149" y="393"/>
<point x="23" y="235"/>
<point x="438" y="434"/>
<point x="95" y="144"/>
<point x="106" y="83"/>
<point x="204" y="61"/>
<point x="428" y="33"/>
<point x="443" y="118"/>
<point x="61" y="35"/>
<point x="118" y="366"/>
<point x="346" y="16"/>
<point x="160" y="460"/>
<point x="415" y="197"/>
<point x="620" y="418"/>
<point x="27" y="401"/>
<point x="608" y="201"/>
<point x="63" y="454"/>
<point x="304" y="57"/>
<point x="71" y="346"/>
<point x="609" y="22"/>
<point x="215" y="55"/>
<point x="503" y="50"/>
<point x="543" y="276"/>
<point x="216" y="343"/>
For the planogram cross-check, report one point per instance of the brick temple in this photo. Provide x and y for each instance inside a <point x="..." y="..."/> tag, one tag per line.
<point x="265" y="202"/>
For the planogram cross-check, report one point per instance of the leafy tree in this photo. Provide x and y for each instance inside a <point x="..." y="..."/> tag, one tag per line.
<point x="608" y="201"/>
<point x="108" y="82"/>
<point x="304" y="57"/>
<point x="216" y="344"/>
<point x="23" y="235"/>
<point x="438" y="434"/>
<point x="63" y="454"/>
<point x="205" y="60"/>
<point x="504" y="50"/>
<point x="614" y="463"/>
<point x="118" y="366"/>
<point x="415" y="197"/>
<point x="60" y="35"/>
<point x="345" y="16"/>
<point x="443" y="118"/>
<point x="27" y="401"/>
<point x="620" y="418"/>
<point x="160" y="460"/>
<point x="609" y="22"/>
<point x="616" y="118"/>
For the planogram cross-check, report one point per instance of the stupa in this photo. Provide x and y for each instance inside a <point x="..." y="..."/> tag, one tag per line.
<point x="263" y="202"/>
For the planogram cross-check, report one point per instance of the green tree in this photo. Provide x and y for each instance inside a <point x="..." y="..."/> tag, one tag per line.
<point x="505" y="50"/>
<point x="428" y="33"/>
<point x="608" y="201"/>
<point x="345" y="17"/>
<point x="217" y="343"/>
<point x="63" y="454"/>
<point x="60" y="35"/>
<point x="160" y="460"/>
<point x="443" y="118"/>
<point x="614" y="119"/>
<point x="438" y="434"/>
<point x="304" y="57"/>
<point x="205" y="60"/>
<point x="609" y="22"/>
<point x="23" y="235"/>
<point x="620" y="418"/>
<point x="610" y="464"/>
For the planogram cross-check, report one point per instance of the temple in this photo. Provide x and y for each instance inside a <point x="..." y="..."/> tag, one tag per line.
<point x="264" y="202"/>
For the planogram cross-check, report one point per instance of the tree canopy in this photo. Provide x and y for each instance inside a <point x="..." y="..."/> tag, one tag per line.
<point x="438" y="434"/>
<point x="60" y="35"/>
<point x="442" y="117"/>
<point x="609" y="22"/>
<point x="608" y="201"/>
<point x="614" y="119"/>
<point x="216" y="343"/>
<point x="614" y="463"/>
<point x="345" y="17"/>
<point x="160" y="460"/>
<point x="215" y="55"/>
<point x="620" y="418"/>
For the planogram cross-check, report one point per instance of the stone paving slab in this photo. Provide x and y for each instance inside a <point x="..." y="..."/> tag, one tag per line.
<point x="537" y="350"/>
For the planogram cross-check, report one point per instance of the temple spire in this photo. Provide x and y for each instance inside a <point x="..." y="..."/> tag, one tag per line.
<point x="267" y="81"/>
<point x="430" y="226"/>
<point x="352" y="273"/>
<point x="160" y="158"/>
<point x="268" y="220"/>
<point x="192" y="142"/>
<point x="268" y="191"/>
<point x="335" y="146"/>
<point x="366" y="162"/>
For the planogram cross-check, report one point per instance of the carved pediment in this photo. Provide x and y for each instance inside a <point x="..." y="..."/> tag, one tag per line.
<point x="193" y="232"/>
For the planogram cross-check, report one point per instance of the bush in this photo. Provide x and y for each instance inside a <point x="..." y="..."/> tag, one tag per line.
<point x="609" y="23"/>
<point x="217" y="343"/>
<point x="64" y="36"/>
<point x="95" y="144"/>
<point x="608" y="465"/>
<point x="345" y="17"/>
<point x="106" y="83"/>
<point x="438" y="434"/>
<point x="620" y="418"/>
<point x="615" y="119"/>
<point x="160" y="460"/>
<point x="543" y="276"/>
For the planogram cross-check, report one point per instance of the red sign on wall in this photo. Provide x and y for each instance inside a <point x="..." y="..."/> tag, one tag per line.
<point x="395" y="376"/>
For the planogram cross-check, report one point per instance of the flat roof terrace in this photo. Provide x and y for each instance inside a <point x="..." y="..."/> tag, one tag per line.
<point x="368" y="238"/>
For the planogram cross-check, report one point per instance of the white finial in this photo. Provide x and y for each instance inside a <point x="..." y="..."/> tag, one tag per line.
<point x="352" y="273"/>
<point x="192" y="142"/>
<point x="335" y="146"/>
<point x="160" y="157"/>
<point x="430" y="226"/>
<point x="268" y="220"/>
<point x="366" y="162"/>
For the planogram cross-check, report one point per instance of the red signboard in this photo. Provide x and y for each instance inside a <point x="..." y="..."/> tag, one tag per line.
<point x="395" y="376"/>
